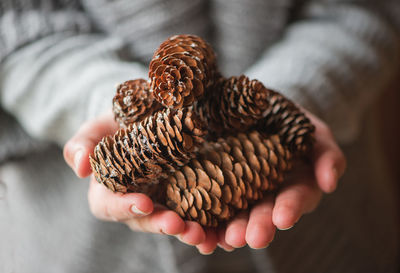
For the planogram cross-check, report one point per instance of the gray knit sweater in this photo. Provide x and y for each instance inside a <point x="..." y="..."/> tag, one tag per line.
<point x="61" y="59"/>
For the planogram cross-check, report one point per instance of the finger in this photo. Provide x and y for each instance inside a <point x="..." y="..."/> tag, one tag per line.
<point x="161" y="221"/>
<point x="293" y="201"/>
<point x="81" y="145"/>
<point x="210" y="243"/>
<point x="236" y="230"/>
<point x="112" y="206"/>
<point x="221" y="233"/>
<point x="193" y="234"/>
<point x="260" y="228"/>
<point x="329" y="160"/>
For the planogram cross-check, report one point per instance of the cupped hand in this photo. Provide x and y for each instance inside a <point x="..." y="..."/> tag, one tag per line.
<point x="134" y="209"/>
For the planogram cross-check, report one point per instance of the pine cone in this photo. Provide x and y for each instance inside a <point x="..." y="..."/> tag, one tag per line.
<point x="136" y="157"/>
<point x="236" y="105"/>
<point x="239" y="104"/>
<point x="181" y="70"/>
<point x="284" y="118"/>
<point x="227" y="175"/>
<point x="134" y="102"/>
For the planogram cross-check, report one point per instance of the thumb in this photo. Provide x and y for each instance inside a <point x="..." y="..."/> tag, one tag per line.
<point x="81" y="145"/>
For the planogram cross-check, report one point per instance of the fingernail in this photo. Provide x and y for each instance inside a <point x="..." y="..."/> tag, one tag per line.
<point x="206" y="253"/>
<point x="137" y="211"/>
<point x="286" y="228"/>
<point x="180" y="238"/>
<point x="78" y="158"/>
<point x="226" y="249"/>
<point x="263" y="247"/>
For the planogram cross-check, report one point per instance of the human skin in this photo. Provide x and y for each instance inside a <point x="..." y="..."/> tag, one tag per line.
<point x="300" y="194"/>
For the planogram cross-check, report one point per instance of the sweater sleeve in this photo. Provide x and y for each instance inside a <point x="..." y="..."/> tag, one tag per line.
<point x="56" y="72"/>
<point x="334" y="59"/>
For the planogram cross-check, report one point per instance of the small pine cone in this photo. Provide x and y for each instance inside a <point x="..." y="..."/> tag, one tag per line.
<point x="237" y="105"/>
<point x="181" y="70"/>
<point x="135" y="158"/>
<point x="134" y="102"/>
<point x="284" y="118"/>
<point x="227" y="176"/>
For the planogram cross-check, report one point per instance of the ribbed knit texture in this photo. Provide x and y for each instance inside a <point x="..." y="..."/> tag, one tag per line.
<point x="61" y="61"/>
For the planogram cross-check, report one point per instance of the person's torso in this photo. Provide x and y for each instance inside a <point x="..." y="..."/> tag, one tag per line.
<point x="240" y="30"/>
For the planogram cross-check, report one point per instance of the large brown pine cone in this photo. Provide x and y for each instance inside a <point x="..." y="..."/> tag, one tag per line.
<point x="136" y="157"/>
<point x="239" y="104"/>
<point x="226" y="176"/>
<point x="134" y="102"/>
<point x="182" y="69"/>
<point x="287" y="120"/>
<point x="236" y="105"/>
